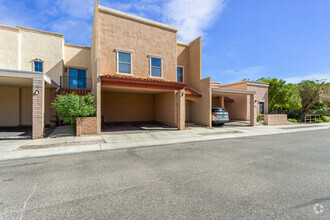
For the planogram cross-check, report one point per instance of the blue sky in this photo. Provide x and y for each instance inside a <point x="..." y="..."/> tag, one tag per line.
<point x="288" y="39"/>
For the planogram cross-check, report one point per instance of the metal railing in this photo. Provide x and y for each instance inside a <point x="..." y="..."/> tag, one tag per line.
<point x="312" y="118"/>
<point x="68" y="82"/>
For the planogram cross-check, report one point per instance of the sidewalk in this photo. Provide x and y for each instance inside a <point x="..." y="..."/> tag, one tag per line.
<point x="14" y="149"/>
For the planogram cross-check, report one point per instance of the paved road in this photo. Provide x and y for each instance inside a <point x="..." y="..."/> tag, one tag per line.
<point x="265" y="177"/>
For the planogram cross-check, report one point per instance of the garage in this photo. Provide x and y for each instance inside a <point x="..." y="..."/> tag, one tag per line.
<point x="129" y="103"/>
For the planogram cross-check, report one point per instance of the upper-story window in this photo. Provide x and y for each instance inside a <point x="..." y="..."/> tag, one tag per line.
<point x="156" y="67"/>
<point x="179" y="74"/>
<point x="77" y="78"/>
<point x="38" y="66"/>
<point x="124" y="63"/>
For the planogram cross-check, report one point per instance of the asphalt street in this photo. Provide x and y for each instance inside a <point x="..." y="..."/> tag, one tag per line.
<point x="284" y="176"/>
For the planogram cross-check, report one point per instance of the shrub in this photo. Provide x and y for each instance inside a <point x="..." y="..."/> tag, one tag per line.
<point x="294" y="114"/>
<point x="292" y="120"/>
<point x="260" y="117"/>
<point x="70" y="106"/>
<point x="318" y="121"/>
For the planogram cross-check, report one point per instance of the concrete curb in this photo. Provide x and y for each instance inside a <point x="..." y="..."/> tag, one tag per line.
<point x="125" y="143"/>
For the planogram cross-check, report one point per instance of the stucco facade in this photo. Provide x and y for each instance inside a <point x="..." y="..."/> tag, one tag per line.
<point x="26" y="95"/>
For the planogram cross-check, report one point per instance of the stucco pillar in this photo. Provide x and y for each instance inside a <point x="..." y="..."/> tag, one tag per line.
<point x="38" y="107"/>
<point x="52" y="110"/>
<point x="253" y="119"/>
<point x="222" y="101"/>
<point x="98" y="106"/>
<point x="181" y="110"/>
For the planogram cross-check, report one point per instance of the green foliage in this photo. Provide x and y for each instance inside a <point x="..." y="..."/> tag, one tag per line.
<point x="294" y="114"/>
<point x="260" y="117"/>
<point x="282" y="96"/>
<point x="70" y="106"/>
<point x="293" y="120"/>
<point x="319" y="108"/>
<point x="310" y="91"/>
<point x="319" y="121"/>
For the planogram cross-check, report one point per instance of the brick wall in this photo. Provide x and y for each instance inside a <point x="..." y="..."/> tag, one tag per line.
<point x="38" y="107"/>
<point x="86" y="126"/>
<point x="276" y="119"/>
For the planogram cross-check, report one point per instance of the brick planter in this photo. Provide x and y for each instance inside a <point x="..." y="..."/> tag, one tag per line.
<point x="86" y="126"/>
<point x="276" y="119"/>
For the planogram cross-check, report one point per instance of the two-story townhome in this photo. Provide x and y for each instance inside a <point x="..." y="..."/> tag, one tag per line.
<point x="135" y="68"/>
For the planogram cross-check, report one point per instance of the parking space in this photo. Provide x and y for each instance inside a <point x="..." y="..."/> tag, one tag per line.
<point x="135" y="127"/>
<point x="15" y="133"/>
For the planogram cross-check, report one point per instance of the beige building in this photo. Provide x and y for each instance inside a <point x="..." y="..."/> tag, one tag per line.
<point x="135" y="67"/>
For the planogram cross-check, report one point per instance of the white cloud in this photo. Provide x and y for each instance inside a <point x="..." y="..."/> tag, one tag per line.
<point x="320" y="76"/>
<point x="192" y="17"/>
<point x="238" y="74"/>
<point x="82" y="9"/>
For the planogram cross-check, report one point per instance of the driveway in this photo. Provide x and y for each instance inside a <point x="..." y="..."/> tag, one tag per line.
<point x="283" y="176"/>
<point x="134" y="127"/>
<point x="15" y="133"/>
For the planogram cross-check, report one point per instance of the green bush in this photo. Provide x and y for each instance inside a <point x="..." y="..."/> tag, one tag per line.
<point x="294" y="114"/>
<point x="293" y="120"/>
<point x="319" y="121"/>
<point x="260" y="117"/>
<point x="70" y="106"/>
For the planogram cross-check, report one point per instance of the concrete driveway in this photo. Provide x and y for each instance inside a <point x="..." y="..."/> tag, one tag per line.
<point x="134" y="127"/>
<point x="15" y="133"/>
<point x="283" y="176"/>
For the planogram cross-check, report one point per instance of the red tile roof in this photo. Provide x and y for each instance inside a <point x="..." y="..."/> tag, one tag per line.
<point x="191" y="92"/>
<point x="122" y="80"/>
<point x="77" y="91"/>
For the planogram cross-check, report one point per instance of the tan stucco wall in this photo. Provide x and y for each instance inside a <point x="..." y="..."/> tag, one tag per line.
<point x="261" y="96"/>
<point x="239" y="109"/>
<point x="16" y="106"/>
<point x="77" y="57"/>
<point x="9" y="110"/>
<point x="47" y="47"/>
<point x="183" y="60"/>
<point x="165" y="108"/>
<point x="117" y="107"/>
<point x="26" y="106"/>
<point x="200" y="112"/>
<point x="142" y="39"/>
<point x="9" y="48"/>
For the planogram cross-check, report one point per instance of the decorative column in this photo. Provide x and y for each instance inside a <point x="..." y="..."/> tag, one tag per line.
<point x="181" y="110"/>
<point x="222" y="101"/>
<point x="253" y="119"/>
<point x="38" y="107"/>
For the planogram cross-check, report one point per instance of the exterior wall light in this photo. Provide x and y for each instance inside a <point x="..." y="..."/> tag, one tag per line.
<point x="36" y="92"/>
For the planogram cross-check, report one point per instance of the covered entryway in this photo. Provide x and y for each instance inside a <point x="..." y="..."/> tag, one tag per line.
<point x="238" y="109"/>
<point x="24" y="96"/>
<point x="129" y="103"/>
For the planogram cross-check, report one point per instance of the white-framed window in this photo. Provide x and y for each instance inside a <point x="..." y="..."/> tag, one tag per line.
<point x="156" y="69"/>
<point x="179" y="73"/>
<point x="124" y="62"/>
<point x="37" y="65"/>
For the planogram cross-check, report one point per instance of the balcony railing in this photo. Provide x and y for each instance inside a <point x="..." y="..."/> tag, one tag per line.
<point x="68" y="82"/>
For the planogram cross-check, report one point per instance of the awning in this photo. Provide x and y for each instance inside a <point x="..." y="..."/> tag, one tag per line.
<point x="137" y="82"/>
<point x="191" y="92"/>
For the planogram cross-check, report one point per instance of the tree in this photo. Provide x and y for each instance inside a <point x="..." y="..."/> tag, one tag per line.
<point x="282" y="96"/>
<point x="310" y="91"/>
<point x="70" y="106"/>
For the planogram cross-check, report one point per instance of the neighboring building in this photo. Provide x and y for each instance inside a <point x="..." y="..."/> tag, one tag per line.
<point x="135" y="68"/>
